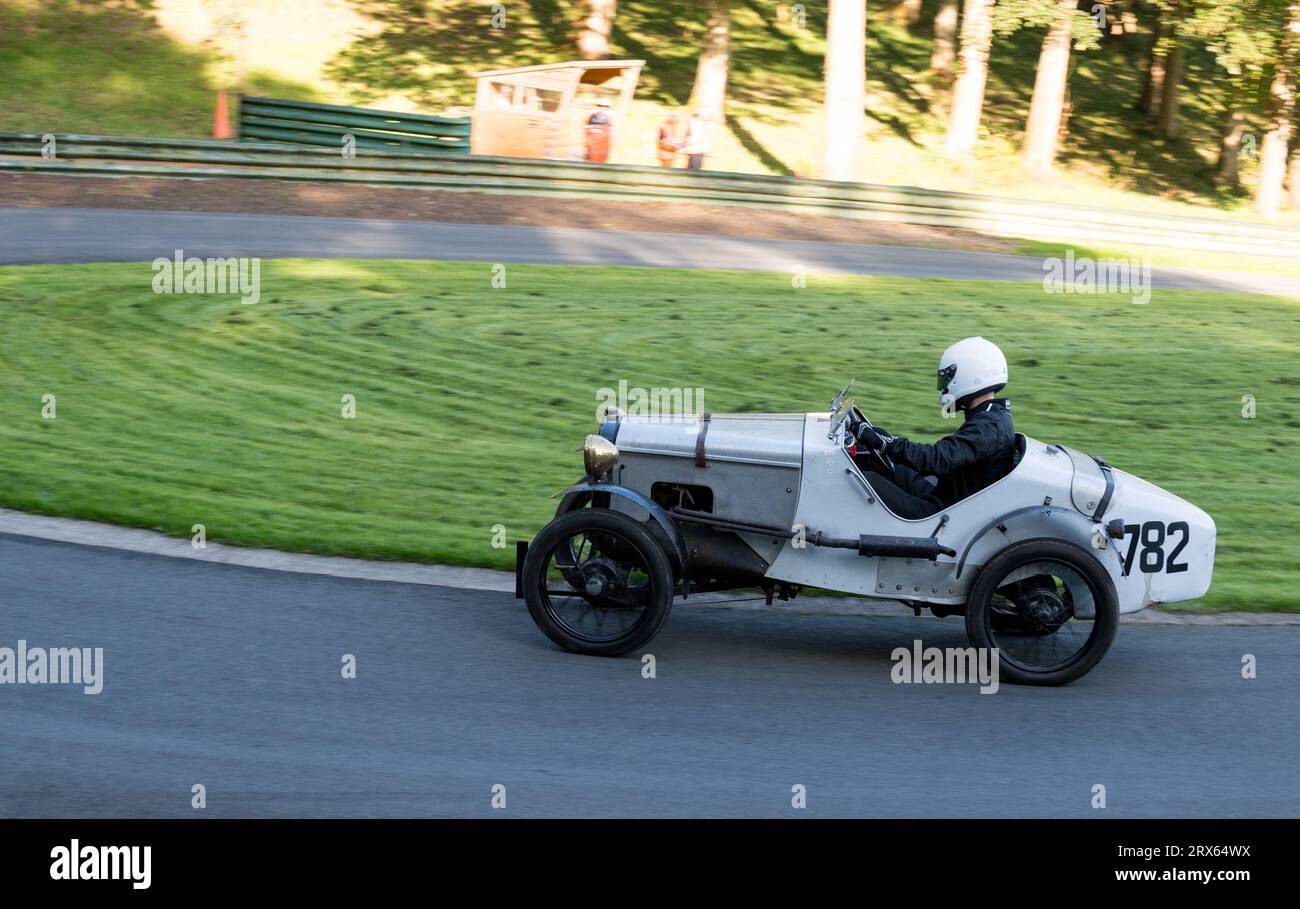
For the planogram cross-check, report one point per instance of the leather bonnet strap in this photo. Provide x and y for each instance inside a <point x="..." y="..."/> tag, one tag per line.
<point x="705" y="419"/>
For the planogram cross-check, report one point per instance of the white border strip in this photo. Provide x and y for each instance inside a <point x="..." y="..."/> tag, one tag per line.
<point x="150" y="542"/>
<point x="131" y="539"/>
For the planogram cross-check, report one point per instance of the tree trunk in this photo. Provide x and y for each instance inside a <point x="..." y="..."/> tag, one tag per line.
<point x="1153" y="82"/>
<point x="945" y="44"/>
<point x="846" y="86"/>
<point x="1234" y="127"/>
<point x="909" y="11"/>
<point x="1277" y="127"/>
<point x="1067" y="110"/>
<point x="1048" y="103"/>
<point x="968" y="92"/>
<point x="709" y="96"/>
<point x="597" y="26"/>
<point x="1167" y="123"/>
<point x="1295" y="179"/>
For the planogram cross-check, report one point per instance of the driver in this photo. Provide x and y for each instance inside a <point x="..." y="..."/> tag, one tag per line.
<point x="928" y="478"/>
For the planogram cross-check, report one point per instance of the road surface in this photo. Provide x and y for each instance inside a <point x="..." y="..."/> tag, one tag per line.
<point x="49" y="235"/>
<point x="230" y="677"/>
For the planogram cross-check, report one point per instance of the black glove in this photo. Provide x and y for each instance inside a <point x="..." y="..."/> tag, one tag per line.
<point x="869" y="439"/>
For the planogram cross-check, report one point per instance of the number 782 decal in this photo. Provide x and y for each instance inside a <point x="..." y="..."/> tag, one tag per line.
<point x="1146" y="543"/>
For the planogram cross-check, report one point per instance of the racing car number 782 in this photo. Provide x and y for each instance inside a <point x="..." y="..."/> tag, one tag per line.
<point x="1151" y="537"/>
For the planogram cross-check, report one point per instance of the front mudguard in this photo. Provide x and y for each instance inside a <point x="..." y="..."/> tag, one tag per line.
<point x="578" y="495"/>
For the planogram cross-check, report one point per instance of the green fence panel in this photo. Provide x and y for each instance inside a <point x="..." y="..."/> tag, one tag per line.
<point x="309" y="123"/>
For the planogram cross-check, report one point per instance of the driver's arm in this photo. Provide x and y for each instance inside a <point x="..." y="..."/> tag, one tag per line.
<point x="968" y="445"/>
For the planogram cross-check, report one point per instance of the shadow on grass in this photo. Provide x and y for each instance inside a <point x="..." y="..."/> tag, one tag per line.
<point x="756" y="148"/>
<point x="1103" y="133"/>
<point x="108" y="69"/>
<point x="431" y="58"/>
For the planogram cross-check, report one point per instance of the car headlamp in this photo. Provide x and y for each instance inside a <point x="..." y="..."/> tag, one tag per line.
<point x="599" y="455"/>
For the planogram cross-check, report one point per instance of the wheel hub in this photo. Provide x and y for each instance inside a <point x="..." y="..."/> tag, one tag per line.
<point x="1043" y="607"/>
<point x="601" y="577"/>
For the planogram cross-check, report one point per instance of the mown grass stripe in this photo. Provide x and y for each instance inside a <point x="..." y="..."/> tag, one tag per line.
<point x="183" y="409"/>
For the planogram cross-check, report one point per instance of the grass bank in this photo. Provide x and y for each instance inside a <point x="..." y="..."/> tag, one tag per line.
<point x="471" y="400"/>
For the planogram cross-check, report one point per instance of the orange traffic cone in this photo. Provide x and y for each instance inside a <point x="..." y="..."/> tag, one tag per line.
<point x="221" y="118"/>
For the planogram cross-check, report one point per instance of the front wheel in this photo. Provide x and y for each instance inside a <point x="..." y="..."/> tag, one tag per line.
<point x="597" y="582"/>
<point x="1048" y="607"/>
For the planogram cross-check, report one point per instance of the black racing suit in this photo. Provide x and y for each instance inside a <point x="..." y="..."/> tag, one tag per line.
<point x="978" y="454"/>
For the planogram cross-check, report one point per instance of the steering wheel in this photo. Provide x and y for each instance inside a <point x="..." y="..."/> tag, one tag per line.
<point x="856" y="420"/>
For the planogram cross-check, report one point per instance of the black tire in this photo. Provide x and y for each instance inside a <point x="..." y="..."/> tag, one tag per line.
<point x="980" y="615"/>
<point x="657" y="592"/>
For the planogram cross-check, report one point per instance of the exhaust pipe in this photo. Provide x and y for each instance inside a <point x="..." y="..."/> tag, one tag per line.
<point x="891" y="547"/>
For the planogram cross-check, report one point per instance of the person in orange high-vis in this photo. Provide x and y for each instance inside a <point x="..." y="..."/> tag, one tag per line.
<point x="599" y="127"/>
<point x="670" y="141"/>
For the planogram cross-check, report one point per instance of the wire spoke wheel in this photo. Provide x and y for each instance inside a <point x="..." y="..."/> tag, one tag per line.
<point x="1042" y="615"/>
<point x="1048" y="607"/>
<point x="596" y="581"/>
<point x="597" y="585"/>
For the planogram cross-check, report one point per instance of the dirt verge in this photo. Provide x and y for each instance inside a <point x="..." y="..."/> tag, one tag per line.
<point x="357" y="201"/>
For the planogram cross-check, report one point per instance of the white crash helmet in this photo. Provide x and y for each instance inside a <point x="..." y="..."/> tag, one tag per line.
<point x="970" y="367"/>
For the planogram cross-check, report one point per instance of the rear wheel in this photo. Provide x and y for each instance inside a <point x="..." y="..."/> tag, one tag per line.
<point x="597" y="582"/>
<point x="1048" y="607"/>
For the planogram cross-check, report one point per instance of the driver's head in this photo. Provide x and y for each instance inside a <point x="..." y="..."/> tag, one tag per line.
<point x="968" y="369"/>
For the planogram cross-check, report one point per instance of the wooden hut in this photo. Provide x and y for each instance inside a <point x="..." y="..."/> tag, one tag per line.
<point x="542" y="111"/>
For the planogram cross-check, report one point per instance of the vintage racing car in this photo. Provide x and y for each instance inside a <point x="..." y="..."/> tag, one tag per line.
<point x="1041" y="563"/>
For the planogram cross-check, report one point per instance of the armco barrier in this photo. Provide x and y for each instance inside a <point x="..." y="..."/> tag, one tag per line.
<point x="125" y="155"/>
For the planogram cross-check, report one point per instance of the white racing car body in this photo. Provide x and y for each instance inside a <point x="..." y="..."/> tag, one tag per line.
<point x="779" y="502"/>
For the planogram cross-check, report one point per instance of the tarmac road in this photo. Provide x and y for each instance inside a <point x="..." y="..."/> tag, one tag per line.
<point x="31" y="235"/>
<point x="230" y="677"/>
